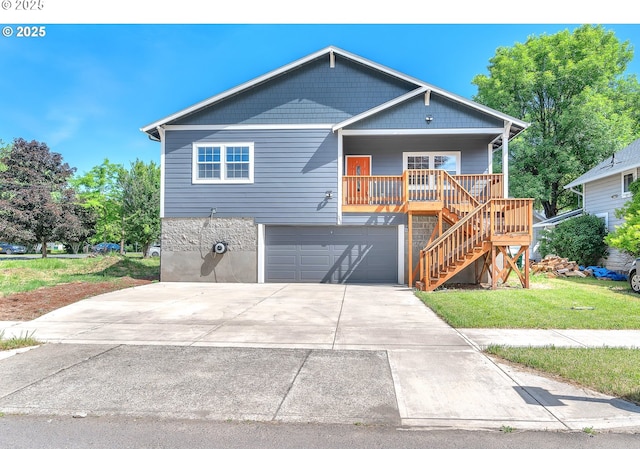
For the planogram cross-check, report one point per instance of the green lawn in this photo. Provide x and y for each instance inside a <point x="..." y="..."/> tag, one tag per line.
<point x="29" y="274"/>
<point x="560" y="303"/>
<point x="612" y="371"/>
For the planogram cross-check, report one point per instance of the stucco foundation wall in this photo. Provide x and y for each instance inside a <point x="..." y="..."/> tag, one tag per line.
<point x="187" y="254"/>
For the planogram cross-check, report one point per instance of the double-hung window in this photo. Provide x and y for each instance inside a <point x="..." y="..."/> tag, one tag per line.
<point x="627" y="178"/>
<point x="222" y="163"/>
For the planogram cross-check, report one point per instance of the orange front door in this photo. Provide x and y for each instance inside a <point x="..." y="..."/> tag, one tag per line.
<point x="358" y="189"/>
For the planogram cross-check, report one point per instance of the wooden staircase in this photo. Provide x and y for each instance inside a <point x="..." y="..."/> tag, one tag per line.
<point x="483" y="224"/>
<point x="490" y="227"/>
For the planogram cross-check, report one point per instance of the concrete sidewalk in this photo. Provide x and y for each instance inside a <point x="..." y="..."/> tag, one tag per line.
<point x="284" y="352"/>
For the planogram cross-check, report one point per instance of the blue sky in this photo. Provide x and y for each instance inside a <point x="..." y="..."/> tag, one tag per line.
<point x="86" y="90"/>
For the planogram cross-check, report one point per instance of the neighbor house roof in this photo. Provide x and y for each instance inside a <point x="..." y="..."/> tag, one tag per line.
<point x="551" y="222"/>
<point x="625" y="159"/>
<point x="516" y="125"/>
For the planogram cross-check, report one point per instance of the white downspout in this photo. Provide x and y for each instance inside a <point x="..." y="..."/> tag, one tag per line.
<point x="161" y="134"/>
<point x="505" y="158"/>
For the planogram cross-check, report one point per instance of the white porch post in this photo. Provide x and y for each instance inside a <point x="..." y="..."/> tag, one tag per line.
<point x="340" y="169"/>
<point x="161" y="132"/>
<point x="505" y="158"/>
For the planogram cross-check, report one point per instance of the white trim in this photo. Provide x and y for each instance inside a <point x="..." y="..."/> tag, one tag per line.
<point x="379" y="108"/>
<point x="161" y="133"/>
<point x="505" y="160"/>
<point x="490" y="156"/>
<point x="634" y="174"/>
<point x="401" y="254"/>
<point x="385" y="132"/>
<point x="312" y="56"/>
<point x="223" y="163"/>
<point x="261" y="253"/>
<point x="246" y="127"/>
<point x="340" y="171"/>
<point x="406" y="154"/>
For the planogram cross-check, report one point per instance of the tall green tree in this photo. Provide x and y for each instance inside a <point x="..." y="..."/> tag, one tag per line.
<point x="101" y="193"/>
<point x="140" y="187"/>
<point x="571" y="87"/>
<point x="37" y="203"/>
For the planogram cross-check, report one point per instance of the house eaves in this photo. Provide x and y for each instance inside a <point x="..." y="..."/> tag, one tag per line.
<point x="626" y="159"/>
<point x="517" y="125"/>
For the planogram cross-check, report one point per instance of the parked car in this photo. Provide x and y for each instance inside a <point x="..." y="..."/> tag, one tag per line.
<point x="634" y="276"/>
<point x="11" y="248"/>
<point x="154" y="251"/>
<point x="105" y="247"/>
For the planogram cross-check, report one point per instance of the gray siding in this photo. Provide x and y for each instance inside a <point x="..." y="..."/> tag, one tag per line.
<point x="293" y="170"/>
<point x="386" y="151"/>
<point x="446" y="114"/>
<point x="312" y="93"/>
<point x="604" y="196"/>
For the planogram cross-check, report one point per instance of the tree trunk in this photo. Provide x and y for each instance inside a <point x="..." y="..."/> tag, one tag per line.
<point x="44" y="248"/>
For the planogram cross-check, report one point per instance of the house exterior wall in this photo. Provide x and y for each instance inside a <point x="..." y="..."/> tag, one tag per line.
<point x="386" y="151"/>
<point x="187" y="254"/>
<point x="293" y="170"/>
<point x="313" y="93"/>
<point x="446" y="114"/>
<point x="603" y="196"/>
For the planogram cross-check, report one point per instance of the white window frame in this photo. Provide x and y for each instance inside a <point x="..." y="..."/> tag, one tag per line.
<point x="430" y="154"/>
<point x="634" y="175"/>
<point x="223" y="163"/>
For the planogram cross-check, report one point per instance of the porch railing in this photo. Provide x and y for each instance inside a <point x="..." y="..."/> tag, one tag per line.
<point x="421" y="185"/>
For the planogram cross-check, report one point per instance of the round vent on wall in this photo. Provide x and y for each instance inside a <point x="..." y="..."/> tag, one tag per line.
<point x="220" y="247"/>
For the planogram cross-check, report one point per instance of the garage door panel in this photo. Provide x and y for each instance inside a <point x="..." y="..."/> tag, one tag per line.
<point x="335" y="254"/>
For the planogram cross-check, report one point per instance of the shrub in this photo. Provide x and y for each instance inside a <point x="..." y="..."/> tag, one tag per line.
<point x="580" y="239"/>
<point x="626" y="237"/>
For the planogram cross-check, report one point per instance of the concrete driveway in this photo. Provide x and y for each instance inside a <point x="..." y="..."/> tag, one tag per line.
<point x="283" y="352"/>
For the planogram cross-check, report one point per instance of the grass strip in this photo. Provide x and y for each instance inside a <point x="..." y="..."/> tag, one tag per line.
<point x="612" y="371"/>
<point x="22" y="341"/>
<point x="560" y="303"/>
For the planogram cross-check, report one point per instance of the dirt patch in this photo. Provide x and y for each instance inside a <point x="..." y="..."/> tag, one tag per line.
<point x="30" y="305"/>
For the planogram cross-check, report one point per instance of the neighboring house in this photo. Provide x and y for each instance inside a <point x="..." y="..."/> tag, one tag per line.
<point x="605" y="188"/>
<point x="541" y="224"/>
<point x="334" y="168"/>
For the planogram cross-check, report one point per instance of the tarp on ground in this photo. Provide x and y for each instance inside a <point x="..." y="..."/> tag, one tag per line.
<point x="603" y="273"/>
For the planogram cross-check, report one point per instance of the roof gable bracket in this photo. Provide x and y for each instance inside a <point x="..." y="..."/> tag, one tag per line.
<point x="332" y="59"/>
<point x="427" y="97"/>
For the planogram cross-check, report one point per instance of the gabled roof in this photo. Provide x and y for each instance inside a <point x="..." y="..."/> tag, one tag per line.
<point x="625" y="159"/>
<point x="516" y="125"/>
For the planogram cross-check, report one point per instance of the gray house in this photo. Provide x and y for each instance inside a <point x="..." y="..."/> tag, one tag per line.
<point x="334" y="168"/>
<point x="605" y="188"/>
